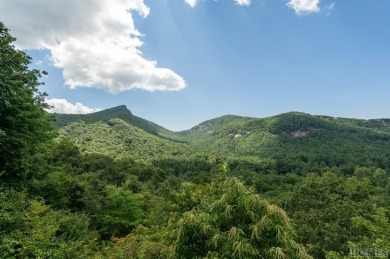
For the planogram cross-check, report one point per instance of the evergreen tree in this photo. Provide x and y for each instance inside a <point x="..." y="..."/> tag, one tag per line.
<point x="230" y="221"/>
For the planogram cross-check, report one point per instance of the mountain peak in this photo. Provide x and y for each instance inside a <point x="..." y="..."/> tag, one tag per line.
<point x="120" y="112"/>
<point x="118" y="109"/>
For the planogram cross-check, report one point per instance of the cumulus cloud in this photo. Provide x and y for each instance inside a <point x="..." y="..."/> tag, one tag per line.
<point x="94" y="42"/>
<point x="304" y="6"/>
<point x="63" y="106"/>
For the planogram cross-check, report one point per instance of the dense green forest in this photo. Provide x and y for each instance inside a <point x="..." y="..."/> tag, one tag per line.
<point x="113" y="185"/>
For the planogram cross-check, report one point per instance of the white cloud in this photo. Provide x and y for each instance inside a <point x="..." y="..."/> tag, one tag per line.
<point x="243" y="2"/>
<point x="191" y="3"/>
<point x="63" y="106"/>
<point x="304" y="6"/>
<point x="95" y="42"/>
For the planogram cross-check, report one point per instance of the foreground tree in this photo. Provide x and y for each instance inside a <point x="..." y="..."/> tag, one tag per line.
<point x="24" y="124"/>
<point x="230" y="221"/>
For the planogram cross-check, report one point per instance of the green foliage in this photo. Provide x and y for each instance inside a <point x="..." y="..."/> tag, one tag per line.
<point x="276" y="187"/>
<point x="122" y="209"/>
<point x="227" y="220"/>
<point x="11" y="211"/>
<point x="24" y="125"/>
<point x="289" y="123"/>
<point x="142" y="244"/>
<point x="323" y="208"/>
<point x="371" y="232"/>
<point x="65" y="154"/>
<point x="117" y="139"/>
<point x="58" y="189"/>
<point x="31" y="229"/>
<point x="377" y="176"/>
<point x="115" y="211"/>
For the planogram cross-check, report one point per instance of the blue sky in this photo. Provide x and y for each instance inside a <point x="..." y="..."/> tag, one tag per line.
<point x="192" y="63"/>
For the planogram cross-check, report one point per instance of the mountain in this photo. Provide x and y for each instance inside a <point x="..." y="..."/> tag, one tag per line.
<point x="289" y="142"/>
<point x="117" y="132"/>
<point x="337" y="167"/>
<point x="117" y="138"/>
<point x="120" y="112"/>
<point x="297" y="141"/>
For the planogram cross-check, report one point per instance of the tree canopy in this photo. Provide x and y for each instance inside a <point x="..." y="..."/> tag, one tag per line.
<point x="24" y="124"/>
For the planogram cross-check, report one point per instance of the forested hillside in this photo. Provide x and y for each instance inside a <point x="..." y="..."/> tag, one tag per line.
<point x="290" y="142"/>
<point x="113" y="185"/>
<point x="298" y="142"/>
<point x="120" y="112"/>
<point x="117" y="138"/>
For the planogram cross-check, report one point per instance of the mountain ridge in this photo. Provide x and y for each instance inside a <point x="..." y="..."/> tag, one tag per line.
<point x="288" y="140"/>
<point x="121" y="112"/>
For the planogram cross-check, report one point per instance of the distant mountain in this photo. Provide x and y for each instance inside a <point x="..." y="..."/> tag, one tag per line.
<point x="289" y="142"/>
<point x="120" y="112"/>
<point x="117" y="138"/>
<point x="297" y="140"/>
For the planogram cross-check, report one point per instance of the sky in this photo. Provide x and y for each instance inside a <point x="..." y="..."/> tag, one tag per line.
<point x="181" y="62"/>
